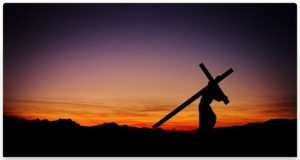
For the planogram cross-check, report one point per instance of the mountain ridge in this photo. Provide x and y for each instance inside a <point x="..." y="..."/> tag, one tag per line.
<point x="71" y="123"/>
<point x="64" y="137"/>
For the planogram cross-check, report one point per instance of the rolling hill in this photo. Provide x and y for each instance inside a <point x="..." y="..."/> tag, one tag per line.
<point x="64" y="137"/>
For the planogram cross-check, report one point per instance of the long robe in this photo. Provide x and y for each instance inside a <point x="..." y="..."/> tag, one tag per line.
<point x="207" y="117"/>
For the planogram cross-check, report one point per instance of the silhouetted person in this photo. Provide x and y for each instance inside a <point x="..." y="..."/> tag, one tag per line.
<point x="207" y="118"/>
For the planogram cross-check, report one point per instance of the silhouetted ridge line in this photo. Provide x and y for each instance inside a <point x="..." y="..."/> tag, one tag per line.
<point x="112" y="125"/>
<point x="64" y="137"/>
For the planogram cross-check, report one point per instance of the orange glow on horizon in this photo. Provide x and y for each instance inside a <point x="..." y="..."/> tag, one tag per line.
<point x="145" y="115"/>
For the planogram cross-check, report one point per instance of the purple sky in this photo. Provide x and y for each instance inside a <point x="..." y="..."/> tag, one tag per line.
<point x="90" y="52"/>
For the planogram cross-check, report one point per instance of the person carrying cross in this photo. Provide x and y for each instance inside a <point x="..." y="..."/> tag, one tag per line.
<point x="207" y="118"/>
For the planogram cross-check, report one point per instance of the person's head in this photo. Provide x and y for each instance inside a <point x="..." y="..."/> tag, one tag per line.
<point x="216" y="92"/>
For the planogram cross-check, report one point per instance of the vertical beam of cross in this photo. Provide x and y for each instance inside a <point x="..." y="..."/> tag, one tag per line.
<point x="211" y="79"/>
<point x="208" y="75"/>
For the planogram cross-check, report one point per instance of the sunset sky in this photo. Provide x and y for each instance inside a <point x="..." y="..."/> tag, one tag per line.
<point x="134" y="63"/>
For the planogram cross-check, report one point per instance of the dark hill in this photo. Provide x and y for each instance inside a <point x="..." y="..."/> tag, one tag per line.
<point x="65" y="137"/>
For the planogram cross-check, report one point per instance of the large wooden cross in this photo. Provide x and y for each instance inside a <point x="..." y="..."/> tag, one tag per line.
<point x="198" y="94"/>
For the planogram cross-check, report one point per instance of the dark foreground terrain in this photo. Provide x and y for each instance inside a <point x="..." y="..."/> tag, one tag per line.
<point x="66" y="138"/>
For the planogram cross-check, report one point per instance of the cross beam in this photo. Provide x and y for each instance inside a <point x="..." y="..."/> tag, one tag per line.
<point x="195" y="96"/>
<point x="211" y="79"/>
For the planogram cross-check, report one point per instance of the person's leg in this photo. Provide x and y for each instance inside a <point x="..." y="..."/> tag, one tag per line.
<point x="213" y="120"/>
<point x="203" y="116"/>
<point x="207" y="118"/>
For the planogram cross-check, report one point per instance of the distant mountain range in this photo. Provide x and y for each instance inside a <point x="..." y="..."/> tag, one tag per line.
<point x="64" y="137"/>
